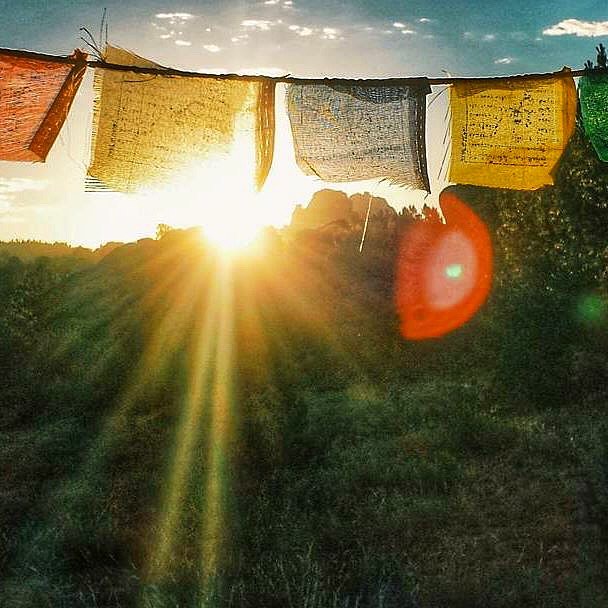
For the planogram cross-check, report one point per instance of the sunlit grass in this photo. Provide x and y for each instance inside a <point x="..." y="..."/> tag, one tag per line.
<point x="215" y="528"/>
<point x="208" y="398"/>
<point x="188" y="433"/>
<point x="314" y="480"/>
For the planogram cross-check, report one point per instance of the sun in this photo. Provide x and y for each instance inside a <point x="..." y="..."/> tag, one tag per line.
<point x="219" y="196"/>
<point x="233" y="225"/>
<point x="215" y="193"/>
<point x="228" y="210"/>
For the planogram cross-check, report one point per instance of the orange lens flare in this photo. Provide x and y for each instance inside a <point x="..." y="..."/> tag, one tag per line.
<point x="444" y="271"/>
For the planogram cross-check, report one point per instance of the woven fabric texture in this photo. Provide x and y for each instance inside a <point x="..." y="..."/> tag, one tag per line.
<point x="151" y="130"/>
<point x="593" y="94"/>
<point x="510" y="133"/>
<point x="348" y="133"/>
<point x="35" y="98"/>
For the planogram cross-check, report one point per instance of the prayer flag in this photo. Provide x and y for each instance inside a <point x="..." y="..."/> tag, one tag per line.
<point x="35" y="98"/>
<point x="150" y="129"/>
<point x="354" y="132"/>
<point x="511" y="132"/>
<point x="593" y="92"/>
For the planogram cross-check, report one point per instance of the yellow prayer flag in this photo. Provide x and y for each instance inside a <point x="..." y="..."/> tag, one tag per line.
<point x="151" y="129"/>
<point x="510" y="133"/>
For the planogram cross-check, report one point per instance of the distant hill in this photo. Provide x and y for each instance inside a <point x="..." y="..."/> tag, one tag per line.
<point x="331" y="218"/>
<point x="327" y="212"/>
<point x="28" y="251"/>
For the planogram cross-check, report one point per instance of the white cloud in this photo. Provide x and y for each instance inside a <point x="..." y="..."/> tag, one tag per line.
<point x="489" y="37"/>
<point x="305" y="31"/>
<point x="175" y="16"/>
<point x="258" y="24"/>
<point x="424" y="20"/>
<point x="398" y="24"/>
<point x="578" y="28"/>
<point x="504" y="61"/>
<point x="271" y="2"/>
<point x="212" y="48"/>
<point x="183" y="43"/>
<point x="408" y="32"/>
<point x="468" y="35"/>
<point x="330" y="33"/>
<point x="165" y="36"/>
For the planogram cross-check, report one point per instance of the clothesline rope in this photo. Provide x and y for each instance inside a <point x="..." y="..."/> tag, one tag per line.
<point x="78" y="57"/>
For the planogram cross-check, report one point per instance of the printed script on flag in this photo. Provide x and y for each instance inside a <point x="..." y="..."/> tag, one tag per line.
<point x="510" y="133"/>
<point x="353" y="132"/>
<point x="150" y="129"/>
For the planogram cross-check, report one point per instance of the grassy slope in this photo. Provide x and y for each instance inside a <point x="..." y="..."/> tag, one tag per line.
<point x="363" y="470"/>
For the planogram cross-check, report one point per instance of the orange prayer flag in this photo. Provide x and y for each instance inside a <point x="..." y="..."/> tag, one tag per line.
<point x="510" y="132"/>
<point x="35" y="98"/>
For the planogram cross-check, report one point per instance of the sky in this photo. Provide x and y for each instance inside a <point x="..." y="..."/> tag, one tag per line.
<point x="315" y="38"/>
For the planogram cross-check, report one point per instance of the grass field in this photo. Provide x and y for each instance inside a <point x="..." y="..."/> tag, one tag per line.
<point x="171" y="438"/>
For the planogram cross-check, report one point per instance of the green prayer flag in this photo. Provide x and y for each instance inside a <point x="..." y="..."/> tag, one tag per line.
<point x="593" y="92"/>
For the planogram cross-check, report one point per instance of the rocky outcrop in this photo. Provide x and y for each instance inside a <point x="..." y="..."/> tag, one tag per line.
<point x="325" y="207"/>
<point x="379" y="206"/>
<point x="328" y="206"/>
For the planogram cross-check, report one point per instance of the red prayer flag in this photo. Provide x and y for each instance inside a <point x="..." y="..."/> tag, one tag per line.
<point x="35" y="98"/>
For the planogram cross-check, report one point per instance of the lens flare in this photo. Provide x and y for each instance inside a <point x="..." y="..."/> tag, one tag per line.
<point x="453" y="271"/>
<point x="444" y="271"/>
<point x="592" y="309"/>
